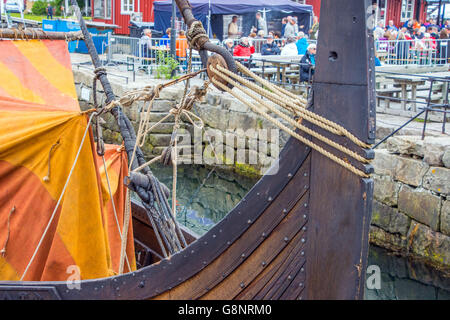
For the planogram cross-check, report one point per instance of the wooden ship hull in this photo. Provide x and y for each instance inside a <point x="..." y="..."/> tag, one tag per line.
<point x="300" y="233"/>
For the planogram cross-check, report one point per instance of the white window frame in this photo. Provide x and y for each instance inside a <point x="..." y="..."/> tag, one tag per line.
<point x="129" y="8"/>
<point x="105" y="11"/>
<point x="406" y="14"/>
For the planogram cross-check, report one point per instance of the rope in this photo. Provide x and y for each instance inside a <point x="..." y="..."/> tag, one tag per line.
<point x="3" y="251"/>
<point x="126" y="225"/>
<point x="306" y="114"/>
<point x="54" y="146"/>
<point x="291" y="121"/>
<point x="60" y="198"/>
<point x="196" y="32"/>
<point x="289" y="131"/>
<point x="114" y="207"/>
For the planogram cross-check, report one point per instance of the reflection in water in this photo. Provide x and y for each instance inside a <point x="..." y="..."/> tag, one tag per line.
<point x="403" y="278"/>
<point x="204" y="197"/>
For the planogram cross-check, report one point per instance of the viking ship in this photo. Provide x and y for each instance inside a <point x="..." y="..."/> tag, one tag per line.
<point x="300" y="233"/>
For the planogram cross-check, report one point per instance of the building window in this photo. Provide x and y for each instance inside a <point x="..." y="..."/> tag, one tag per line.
<point x="127" y="6"/>
<point x="102" y="9"/>
<point x="407" y="10"/>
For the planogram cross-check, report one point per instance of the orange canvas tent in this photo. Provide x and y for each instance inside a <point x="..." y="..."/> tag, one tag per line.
<point x="55" y="207"/>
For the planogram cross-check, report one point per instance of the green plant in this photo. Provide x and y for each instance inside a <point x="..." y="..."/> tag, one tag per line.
<point x="38" y="8"/>
<point x="167" y="66"/>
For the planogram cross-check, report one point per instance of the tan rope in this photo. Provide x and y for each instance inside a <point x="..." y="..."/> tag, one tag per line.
<point x="147" y="164"/>
<point x="3" y="251"/>
<point x="126" y="224"/>
<point x="54" y="146"/>
<point x="290" y="120"/>
<point x="293" y="133"/>
<point x="306" y="114"/>
<point x="114" y="207"/>
<point x="266" y="83"/>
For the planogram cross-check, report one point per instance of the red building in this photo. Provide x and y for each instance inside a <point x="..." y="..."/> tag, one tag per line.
<point x="397" y="10"/>
<point x="119" y="12"/>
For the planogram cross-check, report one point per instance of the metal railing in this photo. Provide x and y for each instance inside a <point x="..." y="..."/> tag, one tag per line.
<point x="413" y="52"/>
<point x="149" y="53"/>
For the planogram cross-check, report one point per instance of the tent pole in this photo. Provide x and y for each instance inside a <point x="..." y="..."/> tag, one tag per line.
<point x="173" y="33"/>
<point x="209" y="18"/>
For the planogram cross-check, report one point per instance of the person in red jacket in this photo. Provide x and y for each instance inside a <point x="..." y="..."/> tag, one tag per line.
<point x="244" y="49"/>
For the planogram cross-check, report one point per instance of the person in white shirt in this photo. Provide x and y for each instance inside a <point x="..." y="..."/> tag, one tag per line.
<point x="290" y="49"/>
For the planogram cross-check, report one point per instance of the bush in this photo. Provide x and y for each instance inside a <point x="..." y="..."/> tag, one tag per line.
<point x="38" y="8"/>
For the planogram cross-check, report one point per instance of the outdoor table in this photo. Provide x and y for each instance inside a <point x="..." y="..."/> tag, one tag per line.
<point x="282" y="65"/>
<point x="404" y="81"/>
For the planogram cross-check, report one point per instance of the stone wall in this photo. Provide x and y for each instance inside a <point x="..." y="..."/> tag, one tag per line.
<point x="411" y="209"/>
<point x="239" y="136"/>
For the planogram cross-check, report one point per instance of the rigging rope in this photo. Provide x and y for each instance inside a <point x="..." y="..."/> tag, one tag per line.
<point x="261" y="108"/>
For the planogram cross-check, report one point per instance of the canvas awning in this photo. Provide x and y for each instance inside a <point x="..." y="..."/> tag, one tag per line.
<point x="218" y="8"/>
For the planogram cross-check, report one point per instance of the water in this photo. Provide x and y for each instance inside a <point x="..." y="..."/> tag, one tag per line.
<point x="204" y="197"/>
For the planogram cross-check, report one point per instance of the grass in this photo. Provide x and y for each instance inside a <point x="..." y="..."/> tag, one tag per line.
<point x="40" y="18"/>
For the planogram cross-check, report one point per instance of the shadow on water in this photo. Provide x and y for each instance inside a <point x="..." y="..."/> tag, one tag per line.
<point x="204" y="197"/>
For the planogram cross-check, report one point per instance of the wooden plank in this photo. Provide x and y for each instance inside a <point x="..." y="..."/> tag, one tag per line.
<point x="278" y="240"/>
<point x="340" y="201"/>
<point x="267" y="275"/>
<point x="248" y="242"/>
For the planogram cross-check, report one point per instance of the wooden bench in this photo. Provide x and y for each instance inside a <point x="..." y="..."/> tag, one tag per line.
<point x="268" y="72"/>
<point x="435" y="98"/>
<point x="386" y="93"/>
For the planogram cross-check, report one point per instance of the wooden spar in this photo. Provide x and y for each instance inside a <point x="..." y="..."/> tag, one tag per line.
<point x="29" y="34"/>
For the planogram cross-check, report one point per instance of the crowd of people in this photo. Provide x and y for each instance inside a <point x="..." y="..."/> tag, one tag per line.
<point x="420" y="38"/>
<point x="292" y="40"/>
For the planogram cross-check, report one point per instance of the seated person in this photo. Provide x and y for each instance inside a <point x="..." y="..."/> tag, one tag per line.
<point x="308" y="63"/>
<point x="243" y="49"/>
<point x="166" y="36"/>
<point x="270" y="48"/>
<point x="290" y="49"/>
<point x="302" y="43"/>
<point x="229" y="45"/>
<point x="146" y="43"/>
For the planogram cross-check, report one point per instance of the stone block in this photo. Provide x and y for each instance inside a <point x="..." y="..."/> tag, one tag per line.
<point x="445" y="217"/>
<point x="384" y="239"/>
<point x="386" y="190"/>
<point x="385" y="163"/>
<point x="405" y="145"/>
<point x="431" y="245"/>
<point x="239" y="120"/>
<point x="214" y="117"/>
<point x="174" y="94"/>
<point x="437" y="179"/>
<point x="410" y="171"/>
<point x="389" y="219"/>
<point x="163" y="105"/>
<point x="421" y="205"/>
<point x="446" y="158"/>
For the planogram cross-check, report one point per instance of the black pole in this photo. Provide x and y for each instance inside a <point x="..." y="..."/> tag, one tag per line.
<point x="173" y="33"/>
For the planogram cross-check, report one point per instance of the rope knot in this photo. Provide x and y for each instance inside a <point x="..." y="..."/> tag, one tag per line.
<point x="196" y="35"/>
<point x="99" y="72"/>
